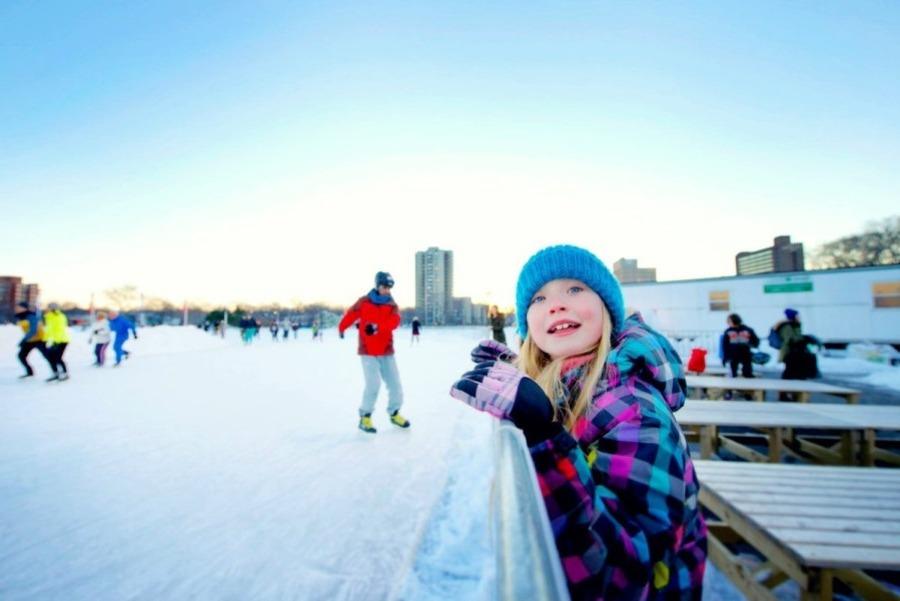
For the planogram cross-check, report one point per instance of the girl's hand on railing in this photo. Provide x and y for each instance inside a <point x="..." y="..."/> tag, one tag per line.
<point x="505" y="392"/>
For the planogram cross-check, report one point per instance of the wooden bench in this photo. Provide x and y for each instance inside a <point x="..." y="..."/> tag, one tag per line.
<point x="856" y="426"/>
<point x="758" y="387"/>
<point x="811" y="524"/>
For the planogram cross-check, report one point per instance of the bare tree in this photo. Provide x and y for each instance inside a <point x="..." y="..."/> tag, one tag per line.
<point x="159" y="304"/>
<point x="879" y="244"/>
<point x="123" y="297"/>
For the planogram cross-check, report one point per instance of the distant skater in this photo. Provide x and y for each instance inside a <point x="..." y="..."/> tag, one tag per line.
<point x="416" y="326"/>
<point x="498" y="322"/>
<point x="100" y="336"/>
<point x="33" y="329"/>
<point x="121" y="326"/>
<point x="246" y="325"/>
<point x="56" y="334"/>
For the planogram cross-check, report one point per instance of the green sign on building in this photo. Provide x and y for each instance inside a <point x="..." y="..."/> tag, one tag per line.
<point x="788" y="287"/>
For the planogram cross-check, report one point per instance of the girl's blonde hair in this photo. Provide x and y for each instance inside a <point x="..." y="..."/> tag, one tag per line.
<point x="547" y="372"/>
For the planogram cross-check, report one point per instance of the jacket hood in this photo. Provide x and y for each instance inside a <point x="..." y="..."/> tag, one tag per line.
<point x="379" y="299"/>
<point x="642" y="352"/>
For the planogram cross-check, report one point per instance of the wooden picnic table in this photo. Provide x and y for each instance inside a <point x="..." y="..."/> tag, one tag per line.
<point x="812" y="524"/>
<point x="856" y="425"/>
<point x="758" y="387"/>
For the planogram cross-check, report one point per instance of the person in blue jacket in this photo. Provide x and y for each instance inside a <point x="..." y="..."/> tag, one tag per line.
<point x="33" y="330"/>
<point x="120" y="325"/>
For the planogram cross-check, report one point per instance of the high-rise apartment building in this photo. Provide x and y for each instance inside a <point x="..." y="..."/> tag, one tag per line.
<point x="13" y="291"/>
<point x="628" y="272"/>
<point x="782" y="256"/>
<point x="30" y="294"/>
<point x="434" y="286"/>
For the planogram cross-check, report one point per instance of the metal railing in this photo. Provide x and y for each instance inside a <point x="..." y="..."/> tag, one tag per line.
<point x="684" y="341"/>
<point x="527" y="562"/>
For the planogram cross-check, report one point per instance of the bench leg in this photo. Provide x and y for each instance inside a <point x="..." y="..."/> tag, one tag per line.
<point x="708" y="441"/>
<point x="775" y="445"/>
<point x="730" y="565"/>
<point x="848" y="448"/>
<point x="867" y="448"/>
<point x="821" y="586"/>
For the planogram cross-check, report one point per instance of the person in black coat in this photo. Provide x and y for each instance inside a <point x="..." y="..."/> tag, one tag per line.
<point x="497" y="322"/>
<point x="416" y="326"/>
<point x="737" y="341"/>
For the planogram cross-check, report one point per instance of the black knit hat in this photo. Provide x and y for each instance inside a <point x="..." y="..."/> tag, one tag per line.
<point x="383" y="278"/>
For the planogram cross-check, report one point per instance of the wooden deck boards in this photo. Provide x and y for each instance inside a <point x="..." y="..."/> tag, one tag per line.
<point x="827" y="517"/>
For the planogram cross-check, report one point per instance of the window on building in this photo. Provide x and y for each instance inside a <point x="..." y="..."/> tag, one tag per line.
<point x="886" y="295"/>
<point x="719" y="300"/>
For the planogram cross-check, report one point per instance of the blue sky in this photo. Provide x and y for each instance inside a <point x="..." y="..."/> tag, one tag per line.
<point x="227" y="152"/>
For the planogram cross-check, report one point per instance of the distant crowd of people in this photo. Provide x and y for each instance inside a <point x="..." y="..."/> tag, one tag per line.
<point x="250" y="327"/>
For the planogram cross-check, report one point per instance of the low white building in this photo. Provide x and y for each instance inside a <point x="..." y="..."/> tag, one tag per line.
<point x="836" y="305"/>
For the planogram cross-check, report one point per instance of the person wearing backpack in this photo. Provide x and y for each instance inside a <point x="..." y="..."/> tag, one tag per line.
<point x="799" y="363"/>
<point x="790" y="333"/>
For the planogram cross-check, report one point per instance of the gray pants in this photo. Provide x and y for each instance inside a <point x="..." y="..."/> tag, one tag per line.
<point x="376" y="369"/>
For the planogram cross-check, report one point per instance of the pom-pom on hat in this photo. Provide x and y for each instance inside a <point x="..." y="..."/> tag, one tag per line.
<point x="790" y="313"/>
<point x="565" y="261"/>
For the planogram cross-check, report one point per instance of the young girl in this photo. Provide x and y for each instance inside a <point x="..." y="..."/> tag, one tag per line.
<point x="100" y="337"/>
<point x="594" y="393"/>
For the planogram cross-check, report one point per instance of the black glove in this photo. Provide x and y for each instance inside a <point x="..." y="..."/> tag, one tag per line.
<point x="491" y="350"/>
<point x="533" y="412"/>
<point x="371" y="328"/>
<point x="340" y="334"/>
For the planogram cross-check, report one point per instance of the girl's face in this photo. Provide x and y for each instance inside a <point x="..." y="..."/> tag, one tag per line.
<point x="565" y="318"/>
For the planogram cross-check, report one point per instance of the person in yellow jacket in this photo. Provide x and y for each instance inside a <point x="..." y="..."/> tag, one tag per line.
<point x="33" y="338"/>
<point x="56" y="337"/>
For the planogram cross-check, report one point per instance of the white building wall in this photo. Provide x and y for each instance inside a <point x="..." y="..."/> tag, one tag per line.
<point x="840" y="306"/>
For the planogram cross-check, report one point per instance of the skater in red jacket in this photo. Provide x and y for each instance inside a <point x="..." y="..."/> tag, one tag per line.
<point x="378" y="317"/>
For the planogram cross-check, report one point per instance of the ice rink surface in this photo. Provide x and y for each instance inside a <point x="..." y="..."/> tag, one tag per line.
<point x="203" y="469"/>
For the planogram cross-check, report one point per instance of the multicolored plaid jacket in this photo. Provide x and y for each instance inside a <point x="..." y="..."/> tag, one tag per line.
<point x="620" y="489"/>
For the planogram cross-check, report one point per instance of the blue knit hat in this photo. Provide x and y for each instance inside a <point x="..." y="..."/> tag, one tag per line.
<point x="564" y="261"/>
<point x="790" y="313"/>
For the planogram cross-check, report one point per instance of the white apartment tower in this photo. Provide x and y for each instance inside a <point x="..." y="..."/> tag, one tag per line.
<point x="434" y="285"/>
